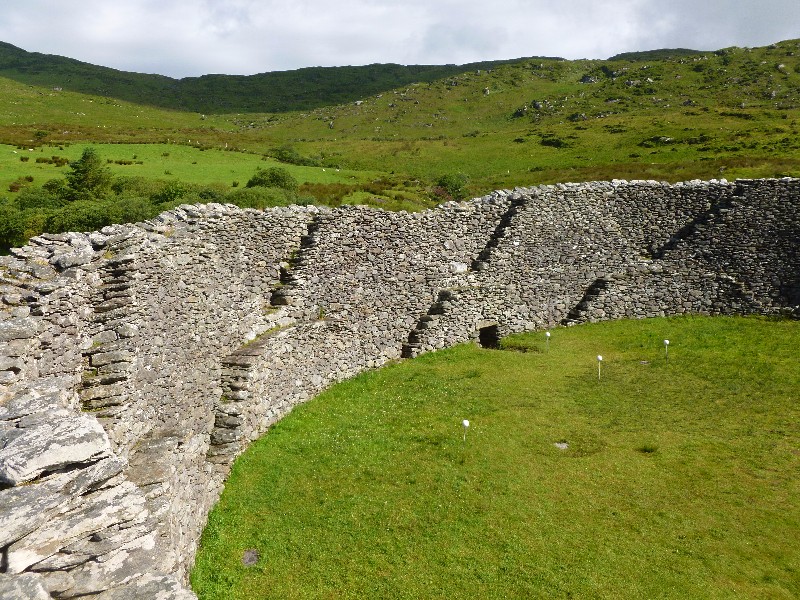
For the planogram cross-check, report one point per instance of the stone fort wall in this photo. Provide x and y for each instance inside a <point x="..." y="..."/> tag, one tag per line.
<point x="137" y="362"/>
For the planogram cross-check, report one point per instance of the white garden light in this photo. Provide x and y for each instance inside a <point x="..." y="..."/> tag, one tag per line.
<point x="465" y="423"/>
<point x="547" y="340"/>
<point x="666" y="350"/>
<point x="599" y="362"/>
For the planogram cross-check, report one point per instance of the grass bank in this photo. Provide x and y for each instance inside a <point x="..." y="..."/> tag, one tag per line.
<point x="662" y="479"/>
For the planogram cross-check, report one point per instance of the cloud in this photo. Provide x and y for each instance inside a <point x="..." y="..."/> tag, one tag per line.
<point x="183" y="37"/>
<point x="715" y="24"/>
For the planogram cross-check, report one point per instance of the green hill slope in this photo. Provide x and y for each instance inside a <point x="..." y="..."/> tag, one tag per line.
<point x="277" y="91"/>
<point x="733" y="112"/>
<point x="666" y="115"/>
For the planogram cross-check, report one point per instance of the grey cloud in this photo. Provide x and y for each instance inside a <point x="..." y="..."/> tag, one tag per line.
<point x="184" y="37"/>
<point x="715" y="24"/>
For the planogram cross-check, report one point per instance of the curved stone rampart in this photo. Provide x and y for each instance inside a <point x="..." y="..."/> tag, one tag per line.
<point x="137" y="362"/>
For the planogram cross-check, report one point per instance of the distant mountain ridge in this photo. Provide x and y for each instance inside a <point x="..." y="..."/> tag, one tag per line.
<point x="277" y="91"/>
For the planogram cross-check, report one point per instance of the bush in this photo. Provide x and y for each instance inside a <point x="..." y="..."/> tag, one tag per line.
<point x="276" y="177"/>
<point x="12" y="227"/>
<point x="288" y="154"/>
<point x="37" y="198"/>
<point x="136" y="186"/>
<point x="210" y="194"/>
<point x="80" y="215"/>
<point x="260" y="197"/>
<point x="56" y="187"/>
<point x="170" y="193"/>
<point x="451" y="185"/>
<point x="132" y="210"/>
<point x="330" y="194"/>
<point x="554" y="142"/>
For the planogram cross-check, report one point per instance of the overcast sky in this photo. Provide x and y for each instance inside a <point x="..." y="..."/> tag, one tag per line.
<point x="183" y="38"/>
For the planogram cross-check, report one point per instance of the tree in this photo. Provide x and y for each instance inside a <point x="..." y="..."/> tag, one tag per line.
<point x="273" y="177"/>
<point x="89" y="179"/>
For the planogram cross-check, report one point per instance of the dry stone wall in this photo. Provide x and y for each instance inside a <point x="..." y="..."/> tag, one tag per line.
<point x="137" y="362"/>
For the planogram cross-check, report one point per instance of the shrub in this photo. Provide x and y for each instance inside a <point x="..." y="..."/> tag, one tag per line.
<point x="38" y="198"/>
<point x="20" y="183"/>
<point x="80" y="215"/>
<point x="170" y="193"/>
<point x="58" y="161"/>
<point x="136" y="186"/>
<point x="330" y="194"/>
<point x="12" y="227"/>
<point x="209" y="194"/>
<point x="554" y="142"/>
<point x="132" y="210"/>
<point x="452" y="185"/>
<point x="288" y="154"/>
<point x="57" y="188"/>
<point x="260" y="197"/>
<point x="276" y="177"/>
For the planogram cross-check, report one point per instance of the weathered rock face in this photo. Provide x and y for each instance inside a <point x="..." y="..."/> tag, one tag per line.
<point x="137" y="362"/>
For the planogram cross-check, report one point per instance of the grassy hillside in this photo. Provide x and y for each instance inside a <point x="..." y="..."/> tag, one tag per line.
<point x="666" y="115"/>
<point x="661" y="480"/>
<point x="278" y="91"/>
<point x="731" y="113"/>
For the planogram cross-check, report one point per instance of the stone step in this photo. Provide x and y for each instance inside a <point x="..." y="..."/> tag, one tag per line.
<point x="410" y="350"/>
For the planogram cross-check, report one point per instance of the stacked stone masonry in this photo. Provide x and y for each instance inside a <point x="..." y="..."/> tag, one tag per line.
<point x="137" y="362"/>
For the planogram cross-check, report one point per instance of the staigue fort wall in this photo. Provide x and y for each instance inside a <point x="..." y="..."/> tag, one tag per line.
<point x="137" y="362"/>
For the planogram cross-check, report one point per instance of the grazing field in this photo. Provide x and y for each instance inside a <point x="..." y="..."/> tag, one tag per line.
<point x="672" y="478"/>
<point x="169" y="162"/>
<point x="398" y="138"/>
<point x="667" y="115"/>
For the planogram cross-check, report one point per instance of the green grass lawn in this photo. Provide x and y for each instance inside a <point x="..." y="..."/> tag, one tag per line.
<point x="678" y="480"/>
<point x="176" y="162"/>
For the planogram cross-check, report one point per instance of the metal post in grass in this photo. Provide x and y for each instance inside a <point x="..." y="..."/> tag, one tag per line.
<point x="599" y="362"/>
<point x="465" y="424"/>
<point x="666" y="350"/>
<point x="547" y="341"/>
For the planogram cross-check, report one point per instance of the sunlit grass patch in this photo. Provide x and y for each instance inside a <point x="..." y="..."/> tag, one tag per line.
<point x="662" y="480"/>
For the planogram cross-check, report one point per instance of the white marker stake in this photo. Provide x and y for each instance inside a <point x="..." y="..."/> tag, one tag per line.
<point x="547" y="341"/>
<point x="465" y="423"/>
<point x="599" y="362"/>
<point x="666" y="350"/>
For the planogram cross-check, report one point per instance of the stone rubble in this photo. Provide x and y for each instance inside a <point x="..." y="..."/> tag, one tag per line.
<point x="137" y="362"/>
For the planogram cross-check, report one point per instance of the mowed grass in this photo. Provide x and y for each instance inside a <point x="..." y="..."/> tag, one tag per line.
<point x="679" y="479"/>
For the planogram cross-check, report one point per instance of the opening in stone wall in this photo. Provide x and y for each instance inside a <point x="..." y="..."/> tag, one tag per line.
<point x="489" y="336"/>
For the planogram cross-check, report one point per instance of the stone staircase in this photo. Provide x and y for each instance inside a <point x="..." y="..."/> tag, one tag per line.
<point x="584" y="310"/>
<point x="234" y="412"/>
<point x="444" y="301"/>
<point x="499" y="233"/>
<point x="290" y="279"/>
<point x="448" y="296"/>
